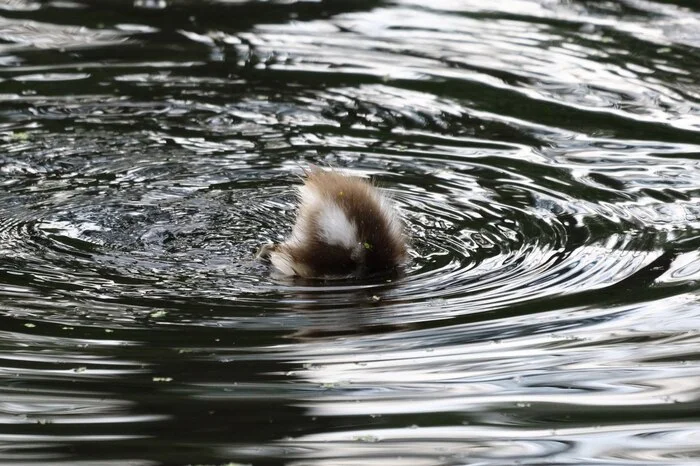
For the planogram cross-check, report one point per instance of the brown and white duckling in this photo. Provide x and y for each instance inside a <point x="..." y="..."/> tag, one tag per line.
<point x="345" y="227"/>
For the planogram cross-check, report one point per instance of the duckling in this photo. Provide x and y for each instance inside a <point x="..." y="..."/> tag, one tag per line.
<point x="345" y="227"/>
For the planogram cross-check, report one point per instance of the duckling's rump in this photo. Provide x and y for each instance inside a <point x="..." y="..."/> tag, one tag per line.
<point x="345" y="227"/>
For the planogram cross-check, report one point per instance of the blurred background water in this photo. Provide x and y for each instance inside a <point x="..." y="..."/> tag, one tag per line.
<point x="545" y="155"/>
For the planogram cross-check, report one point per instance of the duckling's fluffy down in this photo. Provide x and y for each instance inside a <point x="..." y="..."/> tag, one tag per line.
<point x="345" y="227"/>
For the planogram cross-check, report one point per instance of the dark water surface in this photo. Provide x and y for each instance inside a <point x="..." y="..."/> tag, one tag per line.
<point x="545" y="155"/>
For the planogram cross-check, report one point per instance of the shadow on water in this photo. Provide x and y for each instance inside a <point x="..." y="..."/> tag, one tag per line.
<point x="170" y="16"/>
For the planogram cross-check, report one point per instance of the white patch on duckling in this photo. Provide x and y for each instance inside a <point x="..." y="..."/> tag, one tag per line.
<point x="335" y="228"/>
<point x="282" y="262"/>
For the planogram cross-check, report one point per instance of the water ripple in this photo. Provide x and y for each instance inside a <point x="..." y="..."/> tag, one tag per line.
<point x="543" y="155"/>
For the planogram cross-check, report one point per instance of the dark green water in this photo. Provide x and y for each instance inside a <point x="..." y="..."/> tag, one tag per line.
<point x="545" y="155"/>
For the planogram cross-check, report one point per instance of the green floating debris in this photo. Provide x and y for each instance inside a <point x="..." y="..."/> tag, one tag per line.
<point x="19" y="136"/>
<point x="162" y="379"/>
